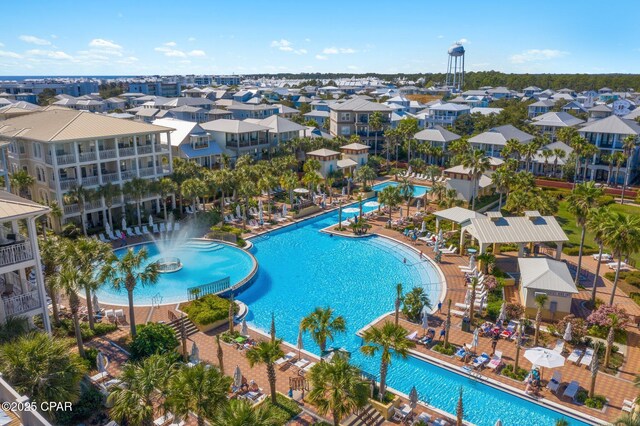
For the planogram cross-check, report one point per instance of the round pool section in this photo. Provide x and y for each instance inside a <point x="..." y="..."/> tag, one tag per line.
<point x="201" y="263"/>
<point x="418" y="190"/>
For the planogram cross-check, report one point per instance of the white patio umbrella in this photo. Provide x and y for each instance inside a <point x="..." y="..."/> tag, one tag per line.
<point x="238" y="211"/>
<point x="413" y="398"/>
<point x="400" y="212"/>
<point x="418" y="205"/>
<point x="371" y="204"/>
<point x="299" y="343"/>
<point x="351" y="210"/>
<point x="259" y="204"/>
<point x="284" y="210"/>
<point x="195" y="354"/>
<point x="543" y="357"/>
<point x="482" y="302"/>
<point x="324" y="198"/>
<point x="567" y="333"/>
<point x="301" y="191"/>
<point x="237" y="377"/>
<point x="151" y="221"/>
<point x="476" y="337"/>
<point x="409" y="170"/>
<point x="423" y="229"/>
<point x="101" y="362"/>
<point x="440" y="237"/>
<point x="124" y="223"/>
<point x="244" y="330"/>
<point x="344" y="191"/>
<point x="502" y="316"/>
<point x="498" y="423"/>
<point x="261" y="216"/>
<point x="472" y="262"/>
<point x="94" y="302"/>
<point x="425" y="319"/>
<point x="107" y="228"/>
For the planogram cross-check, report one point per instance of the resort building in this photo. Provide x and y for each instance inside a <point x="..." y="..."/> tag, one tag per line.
<point x="608" y="134"/>
<point x="280" y="129"/>
<point x="259" y="111"/>
<point x="540" y="107"/>
<point x="445" y="114"/>
<point x="599" y="112"/>
<point x="23" y="293"/>
<point x="551" y="122"/>
<point x="190" y="141"/>
<point x="545" y="162"/>
<point x="63" y="149"/>
<point x="352" y="118"/>
<point x="437" y="137"/>
<point x="18" y="417"/>
<point x="459" y="178"/>
<point x="494" y="140"/>
<point x="354" y="155"/>
<point x="328" y="160"/>
<point x="549" y="277"/>
<point x="237" y="138"/>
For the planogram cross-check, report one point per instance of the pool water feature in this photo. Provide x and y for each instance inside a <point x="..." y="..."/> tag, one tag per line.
<point x="418" y="190"/>
<point x="201" y="262"/>
<point x="302" y="268"/>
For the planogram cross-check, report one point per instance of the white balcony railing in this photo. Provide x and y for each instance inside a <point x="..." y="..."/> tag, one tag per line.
<point x="68" y="183"/>
<point x="25" y="302"/>
<point x="90" y="180"/>
<point x="66" y="159"/>
<point x="109" y="177"/>
<point x="146" y="149"/>
<point x="128" y="174"/>
<point x="88" y="156"/>
<point x="15" y="253"/>
<point x="147" y="171"/>
<point x="105" y="154"/>
<point x="126" y="152"/>
<point x="162" y="170"/>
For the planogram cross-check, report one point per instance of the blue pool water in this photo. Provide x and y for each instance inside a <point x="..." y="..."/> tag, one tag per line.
<point x="199" y="267"/>
<point x="418" y="191"/>
<point x="301" y="268"/>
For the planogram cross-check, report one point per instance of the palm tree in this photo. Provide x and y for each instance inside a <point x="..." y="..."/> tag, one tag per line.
<point x="267" y="353"/>
<point x="143" y="388"/>
<point x="328" y="183"/>
<point x="398" y="302"/>
<point x="322" y="326"/>
<point x="375" y="124"/>
<point x="193" y="189"/>
<point x="406" y="189"/>
<point x="477" y="163"/>
<point x="460" y="410"/>
<point x="540" y="300"/>
<point x="21" y="180"/>
<point x="43" y="368"/>
<point x="50" y="250"/>
<point x="589" y="153"/>
<point x="165" y="187"/>
<point x="390" y="197"/>
<point x="366" y="175"/>
<point x="628" y="148"/>
<point x="108" y="192"/>
<point x="80" y="195"/>
<point x="622" y="235"/>
<point x="512" y="149"/>
<point x="619" y="158"/>
<point x="582" y="199"/>
<point x="289" y="181"/>
<point x="501" y="179"/>
<point x="201" y="390"/>
<point x="595" y="367"/>
<point x="438" y="190"/>
<point x="579" y="145"/>
<point x="267" y="182"/>
<point x="558" y="154"/>
<point x="596" y="219"/>
<point x="71" y="280"/>
<point x="337" y="388"/>
<point x="546" y="154"/>
<point x="472" y="299"/>
<point x="390" y="340"/>
<point x="240" y="412"/>
<point x="137" y="188"/>
<point x="128" y="272"/>
<point x="616" y="322"/>
<point x="55" y="213"/>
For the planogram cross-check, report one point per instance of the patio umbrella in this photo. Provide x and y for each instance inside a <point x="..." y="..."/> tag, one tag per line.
<point x="259" y="204"/>
<point x="260" y="216"/>
<point x="299" y="343"/>
<point x="238" y="211"/>
<point x="195" y="354"/>
<point x="301" y="191"/>
<point x="94" y="302"/>
<point x="418" y="205"/>
<point x="124" y="223"/>
<point x="400" y="212"/>
<point x="472" y="262"/>
<point x="351" y="210"/>
<point x="244" y="330"/>
<point x="476" y="336"/>
<point x="413" y="398"/>
<point x="544" y="357"/>
<point x="482" y="302"/>
<point x="107" y="228"/>
<point x="284" y="210"/>
<point x="151" y="221"/>
<point x="344" y="191"/>
<point x="237" y="377"/>
<point x="409" y="170"/>
<point x="101" y="362"/>
<point x="567" y="333"/>
<point x="324" y="198"/>
<point x="502" y="316"/>
<point x="440" y="237"/>
<point x="425" y="319"/>
<point x="371" y="204"/>
<point x="423" y="229"/>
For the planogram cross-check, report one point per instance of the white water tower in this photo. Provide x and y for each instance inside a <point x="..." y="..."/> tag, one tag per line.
<point x="455" y="67"/>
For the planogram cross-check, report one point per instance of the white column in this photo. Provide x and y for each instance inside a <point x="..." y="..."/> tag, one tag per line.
<point x="559" y="250"/>
<point x="33" y="238"/>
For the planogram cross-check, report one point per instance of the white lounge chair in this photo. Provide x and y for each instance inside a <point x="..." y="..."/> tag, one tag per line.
<point x="139" y="233"/>
<point x="285" y="358"/>
<point x="117" y="234"/>
<point x="480" y="361"/>
<point x="100" y="377"/>
<point x="496" y="360"/>
<point x="572" y="390"/>
<point x="145" y="230"/>
<point x="169" y="227"/>
<point x="176" y="226"/>
<point x="614" y="265"/>
<point x="606" y="257"/>
<point x="559" y="346"/>
<point x="130" y="233"/>
<point x="163" y="227"/>
<point x="108" y="313"/>
<point x="154" y="228"/>
<point x="301" y="363"/>
<point x="102" y="238"/>
<point x="163" y="420"/>
<point x="628" y="405"/>
<point x="119" y="314"/>
<point x="588" y="357"/>
<point x="111" y="235"/>
<point x="554" y="383"/>
<point x="306" y="369"/>
<point x="457" y="313"/>
<point x="575" y="355"/>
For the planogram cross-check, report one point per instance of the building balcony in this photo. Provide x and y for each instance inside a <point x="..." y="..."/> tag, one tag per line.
<point x="109" y="177"/>
<point x="128" y="174"/>
<point x="75" y="208"/>
<point x="67" y="183"/>
<point x="147" y="171"/>
<point x="87" y="156"/>
<point x="127" y="152"/>
<point x="163" y="170"/>
<point x="90" y="181"/>
<point x="16" y="305"/>
<point x="17" y="252"/>
<point x="146" y="149"/>
<point x="108" y="153"/>
<point x="65" y="159"/>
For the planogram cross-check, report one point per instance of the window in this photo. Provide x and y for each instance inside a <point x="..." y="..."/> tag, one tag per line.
<point x="37" y="150"/>
<point x="345" y="116"/>
<point x="345" y="130"/>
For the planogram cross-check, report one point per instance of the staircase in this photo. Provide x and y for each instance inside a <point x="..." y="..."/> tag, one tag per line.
<point x="202" y="245"/>
<point x="368" y="416"/>
<point x="177" y="324"/>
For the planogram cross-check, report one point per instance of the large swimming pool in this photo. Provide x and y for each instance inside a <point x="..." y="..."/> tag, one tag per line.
<point x="418" y="190"/>
<point x="301" y="268"/>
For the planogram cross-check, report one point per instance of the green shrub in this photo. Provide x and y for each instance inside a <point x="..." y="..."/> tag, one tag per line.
<point x="440" y="348"/>
<point x="90" y="402"/>
<point x="519" y="375"/>
<point x="493" y="309"/>
<point x="90" y="355"/>
<point x="574" y="251"/>
<point x="605" y="200"/>
<point x="102" y="328"/>
<point x="582" y="396"/>
<point x="601" y="332"/>
<point x="151" y="339"/>
<point x="283" y="410"/>
<point x="508" y="247"/>
<point x="67" y="329"/>
<point x="207" y="309"/>
<point x="596" y="402"/>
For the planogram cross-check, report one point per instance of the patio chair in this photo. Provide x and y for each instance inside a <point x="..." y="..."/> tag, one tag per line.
<point x="495" y="361"/>
<point x="413" y="336"/>
<point x="572" y="390"/>
<point x="457" y="313"/>
<point x="111" y="236"/>
<point x="130" y="233"/>
<point x="110" y="315"/>
<point x="480" y="361"/>
<point x="100" y="377"/>
<point x="176" y="226"/>
<point x="285" y="358"/>
<point x="460" y="353"/>
<point x="188" y="210"/>
<point x="145" y="230"/>
<point x="119" y="314"/>
<point x="509" y="331"/>
<point x="301" y="363"/>
<point x="606" y="257"/>
<point x="137" y="231"/>
<point x="154" y="228"/>
<point x="102" y="238"/>
<point x="575" y="355"/>
<point x="559" y="346"/>
<point x="163" y="227"/>
<point x="628" y="406"/>
<point x="554" y="383"/>
<point x="306" y="369"/>
<point x="588" y="356"/>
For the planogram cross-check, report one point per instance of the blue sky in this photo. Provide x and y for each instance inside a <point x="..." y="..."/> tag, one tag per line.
<point x="162" y="37"/>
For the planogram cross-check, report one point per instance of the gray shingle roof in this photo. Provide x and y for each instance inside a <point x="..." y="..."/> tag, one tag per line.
<point x="613" y="125"/>
<point x="436" y="134"/>
<point x="542" y="273"/>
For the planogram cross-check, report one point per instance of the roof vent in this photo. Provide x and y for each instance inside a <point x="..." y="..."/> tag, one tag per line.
<point x="494" y="216"/>
<point x="532" y="214"/>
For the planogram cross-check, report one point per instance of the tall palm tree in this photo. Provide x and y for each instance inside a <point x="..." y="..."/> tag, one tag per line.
<point x="323" y="325"/>
<point x="108" y="192"/>
<point x="541" y="300"/>
<point x="594" y="367"/>
<point x="267" y="182"/>
<point x="50" y="251"/>
<point x="406" y="189"/>
<point x="477" y="163"/>
<point x="513" y="149"/>
<point x="582" y="199"/>
<point x="390" y="340"/>
<point x="128" y="272"/>
<point x="619" y="158"/>
<point x="375" y="124"/>
<point x="71" y="280"/>
<point x="193" y="189"/>
<point x="289" y="181"/>
<point x="165" y="187"/>
<point x="390" y="196"/>
<point x="579" y="145"/>
<point x="558" y="154"/>
<point x="596" y="220"/>
<point x="337" y="388"/>
<point x="43" y="368"/>
<point x="137" y="188"/>
<point x="201" y="390"/>
<point x="501" y="179"/>
<point x="546" y="154"/>
<point x="80" y="195"/>
<point x="144" y="388"/>
<point x="628" y="148"/>
<point x="616" y="322"/>
<point x="398" y="302"/>
<point x="589" y="152"/>
<point x="267" y="353"/>
<point x="240" y="412"/>
<point x="622" y="235"/>
<point x="21" y="180"/>
<point x="328" y="183"/>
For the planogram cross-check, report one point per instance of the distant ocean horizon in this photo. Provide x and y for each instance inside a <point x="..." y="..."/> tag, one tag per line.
<point x="28" y="77"/>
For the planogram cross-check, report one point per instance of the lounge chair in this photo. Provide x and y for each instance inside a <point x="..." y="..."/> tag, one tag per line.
<point x="188" y="210"/>
<point x="575" y="355"/>
<point x="111" y="235"/>
<point x="100" y="377"/>
<point x="588" y="356"/>
<point x="102" y="238"/>
<point x="306" y="369"/>
<point x="572" y="390"/>
<point x="285" y="358"/>
<point x="130" y="233"/>
<point x="614" y="265"/>
<point x="495" y="361"/>
<point x="169" y="227"/>
<point x="119" y="314"/>
<point x="301" y="363"/>
<point x="628" y="406"/>
<point x="176" y="226"/>
<point x="139" y="233"/>
<point x="110" y="315"/>
<point x="154" y="228"/>
<point x="457" y="313"/>
<point x="480" y="361"/>
<point x="606" y="257"/>
<point x="510" y="330"/>
<point x="163" y="420"/>
<point x="559" y="346"/>
<point x="413" y="336"/>
<point x="554" y="383"/>
<point x="162" y="227"/>
<point x="460" y="353"/>
<point x="145" y="230"/>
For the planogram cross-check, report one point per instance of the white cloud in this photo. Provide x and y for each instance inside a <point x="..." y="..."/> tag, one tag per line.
<point x="302" y="51"/>
<point x="337" y="50"/>
<point x="169" y="51"/>
<point x="51" y="54"/>
<point x="464" y="41"/>
<point x="321" y="57"/>
<point x="534" y="55"/>
<point x="287" y="46"/>
<point x="170" y="43"/>
<point x="1" y="44"/>
<point x="34" y="40"/>
<point x="5" y="54"/>
<point x="197" y="53"/>
<point x="352" y="67"/>
<point x="53" y="36"/>
<point x="106" y="44"/>
<point x="191" y="39"/>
